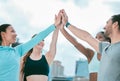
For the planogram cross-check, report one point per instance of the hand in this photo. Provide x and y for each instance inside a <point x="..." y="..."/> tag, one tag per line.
<point x="58" y="20"/>
<point x="64" y="17"/>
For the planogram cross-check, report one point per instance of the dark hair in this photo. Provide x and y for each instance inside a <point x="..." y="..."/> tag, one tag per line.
<point x="116" y="18"/>
<point x="3" y="28"/>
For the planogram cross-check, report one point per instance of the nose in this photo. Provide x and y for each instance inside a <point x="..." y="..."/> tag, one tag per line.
<point x="15" y="34"/>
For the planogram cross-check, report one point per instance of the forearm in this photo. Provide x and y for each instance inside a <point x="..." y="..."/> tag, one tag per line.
<point x="52" y="49"/>
<point x="81" y="34"/>
<point x="77" y="45"/>
<point x="39" y="37"/>
<point x="85" y="36"/>
<point x="69" y="37"/>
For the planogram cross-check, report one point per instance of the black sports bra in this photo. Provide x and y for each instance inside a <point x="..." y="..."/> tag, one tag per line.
<point x="36" y="67"/>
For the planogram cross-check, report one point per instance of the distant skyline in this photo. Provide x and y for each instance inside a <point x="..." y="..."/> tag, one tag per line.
<point x="32" y="16"/>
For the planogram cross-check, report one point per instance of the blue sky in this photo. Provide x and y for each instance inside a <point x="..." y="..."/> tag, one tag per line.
<point x="31" y="16"/>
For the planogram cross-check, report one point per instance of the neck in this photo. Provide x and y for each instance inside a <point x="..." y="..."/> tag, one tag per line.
<point x="4" y="43"/>
<point x="36" y="52"/>
<point x="115" y="38"/>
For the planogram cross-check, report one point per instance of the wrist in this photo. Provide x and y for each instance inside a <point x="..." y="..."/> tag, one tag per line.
<point x="67" y="24"/>
<point x="55" y="25"/>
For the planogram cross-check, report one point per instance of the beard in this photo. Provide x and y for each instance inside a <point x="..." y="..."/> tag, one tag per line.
<point x="108" y="33"/>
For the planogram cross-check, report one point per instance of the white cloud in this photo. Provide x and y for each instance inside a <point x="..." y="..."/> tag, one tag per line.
<point x="31" y="16"/>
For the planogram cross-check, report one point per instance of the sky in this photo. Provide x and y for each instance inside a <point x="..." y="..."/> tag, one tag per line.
<point x="29" y="17"/>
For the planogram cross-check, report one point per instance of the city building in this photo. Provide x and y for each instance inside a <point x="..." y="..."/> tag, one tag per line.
<point x="81" y="70"/>
<point x="57" y="70"/>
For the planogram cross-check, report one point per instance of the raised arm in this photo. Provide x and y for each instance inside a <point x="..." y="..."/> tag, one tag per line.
<point x="24" y="48"/>
<point x="87" y="52"/>
<point x="81" y="34"/>
<point x="84" y="35"/>
<point x="52" y="50"/>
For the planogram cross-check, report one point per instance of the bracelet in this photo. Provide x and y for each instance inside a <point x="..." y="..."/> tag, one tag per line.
<point x="67" y="24"/>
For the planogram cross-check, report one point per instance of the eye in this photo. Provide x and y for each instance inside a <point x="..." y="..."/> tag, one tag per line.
<point x="13" y="31"/>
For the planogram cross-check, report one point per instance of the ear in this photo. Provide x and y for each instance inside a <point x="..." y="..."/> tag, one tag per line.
<point x="115" y="23"/>
<point x="2" y="34"/>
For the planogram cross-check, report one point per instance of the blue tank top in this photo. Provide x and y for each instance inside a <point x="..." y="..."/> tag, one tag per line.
<point x="36" y="67"/>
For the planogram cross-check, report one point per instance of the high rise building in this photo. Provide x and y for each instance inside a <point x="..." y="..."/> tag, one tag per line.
<point x="57" y="70"/>
<point x="82" y="68"/>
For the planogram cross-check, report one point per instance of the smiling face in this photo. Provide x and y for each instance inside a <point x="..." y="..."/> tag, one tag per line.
<point x="9" y="36"/>
<point x="40" y="45"/>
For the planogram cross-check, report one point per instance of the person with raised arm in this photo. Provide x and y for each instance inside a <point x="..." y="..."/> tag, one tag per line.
<point x="10" y="56"/>
<point x="110" y="62"/>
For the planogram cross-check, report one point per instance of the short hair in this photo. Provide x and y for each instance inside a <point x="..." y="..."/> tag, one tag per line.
<point x="116" y="18"/>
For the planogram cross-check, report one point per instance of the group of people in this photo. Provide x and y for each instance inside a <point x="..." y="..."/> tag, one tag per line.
<point x="34" y="66"/>
<point x="92" y="56"/>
